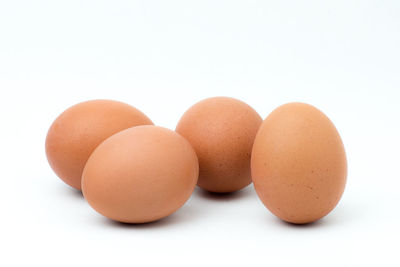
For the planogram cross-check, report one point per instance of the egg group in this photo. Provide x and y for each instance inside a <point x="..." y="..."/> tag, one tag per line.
<point x="134" y="172"/>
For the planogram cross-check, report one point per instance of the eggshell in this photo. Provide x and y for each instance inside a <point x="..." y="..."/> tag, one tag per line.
<point x="222" y="132"/>
<point x="140" y="175"/>
<point x="298" y="163"/>
<point x="80" y="129"/>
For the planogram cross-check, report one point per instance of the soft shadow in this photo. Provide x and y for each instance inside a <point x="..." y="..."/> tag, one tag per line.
<point x="338" y="217"/>
<point x="149" y="225"/>
<point x="65" y="190"/>
<point x="74" y="192"/>
<point x="183" y="215"/>
<point x="224" y="196"/>
<point x="317" y="224"/>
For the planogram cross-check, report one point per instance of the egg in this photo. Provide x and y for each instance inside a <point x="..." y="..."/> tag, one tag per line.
<point x="140" y="175"/>
<point x="80" y="129"/>
<point x="222" y="132"/>
<point x="298" y="163"/>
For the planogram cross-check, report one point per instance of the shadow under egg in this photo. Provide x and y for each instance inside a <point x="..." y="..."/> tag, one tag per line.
<point x="230" y="196"/>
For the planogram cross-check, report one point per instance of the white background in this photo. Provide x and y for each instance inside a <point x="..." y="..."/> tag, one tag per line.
<point x="162" y="56"/>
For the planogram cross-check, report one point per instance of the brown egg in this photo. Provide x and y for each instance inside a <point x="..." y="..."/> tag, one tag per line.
<point x="222" y="132"/>
<point x="298" y="163"/>
<point x="140" y="175"/>
<point x="80" y="129"/>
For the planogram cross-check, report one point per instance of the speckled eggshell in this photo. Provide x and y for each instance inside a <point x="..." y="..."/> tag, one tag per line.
<point x="298" y="163"/>
<point x="80" y="129"/>
<point x="140" y="175"/>
<point x="222" y="131"/>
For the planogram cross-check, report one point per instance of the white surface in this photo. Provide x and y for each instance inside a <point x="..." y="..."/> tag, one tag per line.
<point x="163" y="56"/>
